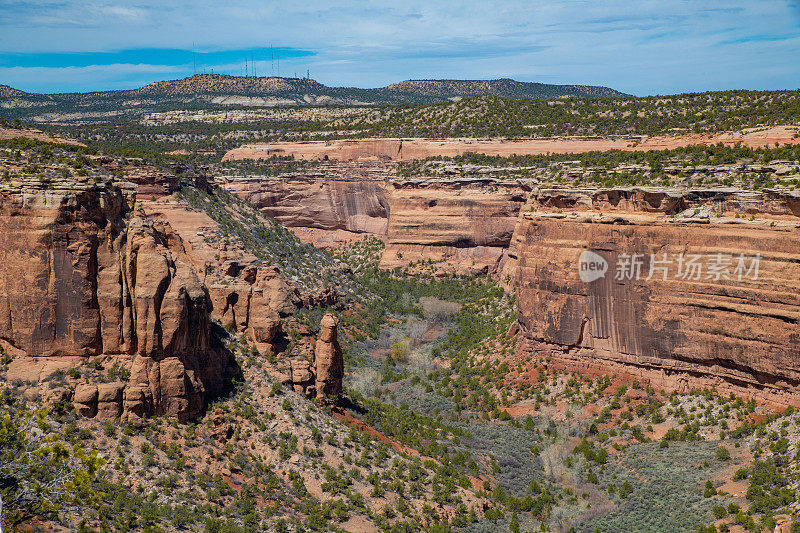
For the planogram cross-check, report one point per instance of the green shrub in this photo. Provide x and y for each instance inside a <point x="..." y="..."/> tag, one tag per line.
<point x="722" y="454"/>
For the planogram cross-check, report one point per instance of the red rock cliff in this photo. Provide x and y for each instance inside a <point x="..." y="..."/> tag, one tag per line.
<point x="735" y="333"/>
<point x="83" y="276"/>
<point x="357" y="206"/>
<point x="464" y="225"/>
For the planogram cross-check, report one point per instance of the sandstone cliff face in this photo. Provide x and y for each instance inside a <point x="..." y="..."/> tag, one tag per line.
<point x="356" y="206"/>
<point x="407" y="149"/>
<point x="83" y="276"/>
<point x="466" y="224"/>
<point x="463" y="225"/>
<point x="734" y="333"/>
<point x="49" y="242"/>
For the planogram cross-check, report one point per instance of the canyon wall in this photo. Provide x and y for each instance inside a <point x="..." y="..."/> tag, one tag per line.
<point x="352" y="206"/>
<point x="711" y="328"/>
<point x="461" y="225"/>
<point x="84" y="276"/>
<point x="700" y="289"/>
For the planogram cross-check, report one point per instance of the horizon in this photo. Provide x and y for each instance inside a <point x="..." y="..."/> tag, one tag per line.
<point x="300" y="78"/>
<point x="642" y="49"/>
<point x="155" y="81"/>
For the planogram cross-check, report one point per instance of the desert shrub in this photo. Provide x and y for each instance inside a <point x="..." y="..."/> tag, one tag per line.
<point x="722" y="454"/>
<point x="768" y="488"/>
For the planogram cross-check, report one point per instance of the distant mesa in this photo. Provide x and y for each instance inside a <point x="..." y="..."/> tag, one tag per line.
<point x="289" y="91"/>
<point x="505" y="87"/>
<point x="234" y="85"/>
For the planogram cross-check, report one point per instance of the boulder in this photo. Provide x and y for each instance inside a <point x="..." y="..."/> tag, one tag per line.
<point x="109" y="400"/>
<point x="137" y="401"/>
<point x="301" y="371"/>
<point x="85" y="400"/>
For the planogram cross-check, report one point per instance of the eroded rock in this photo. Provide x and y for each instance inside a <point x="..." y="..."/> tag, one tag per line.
<point x="328" y="360"/>
<point x="736" y="333"/>
<point x="85" y="400"/>
<point x="84" y="277"/>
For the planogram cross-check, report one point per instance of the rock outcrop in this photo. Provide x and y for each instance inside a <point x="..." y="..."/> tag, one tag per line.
<point x="408" y="149"/>
<point x="328" y="361"/>
<point x="247" y="296"/>
<point x="684" y="290"/>
<point x="85" y="276"/>
<point x="318" y="370"/>
<point x="464" y="225"/>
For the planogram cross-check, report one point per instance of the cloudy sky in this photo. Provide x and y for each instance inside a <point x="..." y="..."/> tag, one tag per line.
<point x="640" y="47"/>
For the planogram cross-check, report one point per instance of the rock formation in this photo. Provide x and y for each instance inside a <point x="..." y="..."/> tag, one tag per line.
<point x="328" y="360"/>
<point x="463" y="225"/>
<point x="408" y="149"/>
<point x="710" y="328"/>
<point x="247" y="296"/>
<point x="676" y="333"/>
<point x="85" y="276"/>
<point x="319" y="369"/>
<point x="352" y="206"/>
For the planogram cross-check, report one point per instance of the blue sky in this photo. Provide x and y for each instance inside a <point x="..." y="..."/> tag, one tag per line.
<point x="640" y="47"/>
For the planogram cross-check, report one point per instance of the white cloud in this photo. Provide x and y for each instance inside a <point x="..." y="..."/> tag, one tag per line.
<point x="125" y="13"/>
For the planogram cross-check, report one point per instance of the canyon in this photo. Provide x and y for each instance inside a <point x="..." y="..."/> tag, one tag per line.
<point x="734" y="335"/>
<point x="120" y="270"/>
<point x="262" y="304"/>
<point x="459" y="225"/>
<point x="143" y="296"/>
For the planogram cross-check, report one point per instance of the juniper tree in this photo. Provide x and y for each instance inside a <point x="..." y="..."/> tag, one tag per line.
<point x="40" y="474"/>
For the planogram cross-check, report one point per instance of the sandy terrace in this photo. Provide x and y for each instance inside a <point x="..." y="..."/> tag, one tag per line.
<point x="9" y="133"/>
<point x="409" y="149"/>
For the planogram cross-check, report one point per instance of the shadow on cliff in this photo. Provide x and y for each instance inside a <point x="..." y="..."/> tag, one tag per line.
<point x="281" y="341"/>
<point x="231" y="373"/>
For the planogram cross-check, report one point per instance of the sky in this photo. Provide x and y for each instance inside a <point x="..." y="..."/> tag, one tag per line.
<point x="639" y="47"/>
